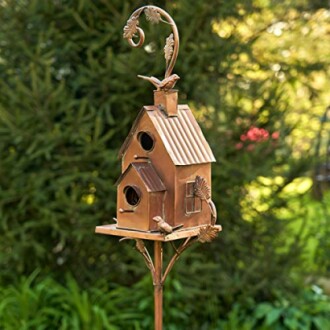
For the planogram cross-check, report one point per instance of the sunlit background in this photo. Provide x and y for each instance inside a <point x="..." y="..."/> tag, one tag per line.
<point x="256" y="75"/>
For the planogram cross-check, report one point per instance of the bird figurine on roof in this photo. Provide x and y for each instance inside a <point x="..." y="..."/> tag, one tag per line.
<point x="162" y="85"/>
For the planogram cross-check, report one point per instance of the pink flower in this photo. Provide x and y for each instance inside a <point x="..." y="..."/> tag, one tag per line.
<point x="257" y="134"/>
<point x="276" y="135"/>
<point x="239" y="145"/>
<point x="253" y="136"/>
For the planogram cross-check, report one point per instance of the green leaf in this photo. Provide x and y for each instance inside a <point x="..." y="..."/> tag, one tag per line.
<point x="263" y="310"/>
<point x="321" y="322"/>
<point x="273" y="316"/>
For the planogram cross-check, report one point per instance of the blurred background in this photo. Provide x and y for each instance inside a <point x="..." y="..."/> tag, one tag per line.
<point x="256" y="75"/>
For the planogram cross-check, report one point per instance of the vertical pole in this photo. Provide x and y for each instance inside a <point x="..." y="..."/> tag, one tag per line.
<point x="158" y="285"/>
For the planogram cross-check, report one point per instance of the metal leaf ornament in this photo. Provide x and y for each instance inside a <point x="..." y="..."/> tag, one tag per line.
<point x="130" y="29"/>
<point x="201" y="188"/>
<point x="207" y="234"/>
<point x="140" y="245"/>
<point x="203" y="191"/>
<point x="169" y="48"/>
<point x="152" y="15"/>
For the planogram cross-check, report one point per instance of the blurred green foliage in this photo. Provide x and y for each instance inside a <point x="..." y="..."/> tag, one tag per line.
<point x="46" y="304"/>
<point x="69" y="94"/>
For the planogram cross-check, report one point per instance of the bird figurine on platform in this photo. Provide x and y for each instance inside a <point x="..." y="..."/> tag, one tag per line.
<point x="162" y="85"/>
<point x="162" y="225"/>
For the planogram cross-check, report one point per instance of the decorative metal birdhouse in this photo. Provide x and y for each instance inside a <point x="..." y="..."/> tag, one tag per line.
<point x="166" y="160"/>
<point x="164" y="190"/>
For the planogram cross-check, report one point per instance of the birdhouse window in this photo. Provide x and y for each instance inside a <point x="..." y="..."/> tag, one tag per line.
<point x="193" y="203"/>
<point x="132" y="195"/>
<point x="146" y="140"/>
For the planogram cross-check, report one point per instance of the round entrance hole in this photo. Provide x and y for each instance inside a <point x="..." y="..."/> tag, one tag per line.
<point x="146" y="140"/>
<point x="132" y="195"/>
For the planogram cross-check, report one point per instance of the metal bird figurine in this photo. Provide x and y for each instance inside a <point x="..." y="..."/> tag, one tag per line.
<point x="162" y="85"/>
<point x="162" y="225"/>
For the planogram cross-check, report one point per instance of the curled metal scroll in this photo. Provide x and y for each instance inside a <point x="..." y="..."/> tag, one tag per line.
<point x="154" y="15"/>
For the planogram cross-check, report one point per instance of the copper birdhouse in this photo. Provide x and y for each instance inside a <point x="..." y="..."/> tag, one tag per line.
<point x="162" y="156"/>
<point x="164" y="190"/>
<point x="166" y="160"/>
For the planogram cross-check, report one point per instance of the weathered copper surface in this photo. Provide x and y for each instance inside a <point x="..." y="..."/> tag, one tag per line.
<point x="158" y="272"/>
<point x="164" y="191"/>
<point x="175" y="157"/>
<point x="154" y="15"/>
<point x="139" y="216"/>
<point x="181" y="135"/>
<point x="185" y="141"/>
<point x="148" y="175"/>
<point x="162" y="85"/>
<point x="202" y="190"/>
<point x="113" y="230"/>
<point x="186" y="175"/>
<point x="167" y="101"/>
<point x="159" y="157"/>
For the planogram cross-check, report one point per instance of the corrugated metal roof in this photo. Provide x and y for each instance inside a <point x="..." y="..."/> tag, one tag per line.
<point x="148" y="175"/>
<point x="181" y="135"/>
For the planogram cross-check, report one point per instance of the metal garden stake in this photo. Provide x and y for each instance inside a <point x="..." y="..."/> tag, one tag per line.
<point x="164" y="191"/>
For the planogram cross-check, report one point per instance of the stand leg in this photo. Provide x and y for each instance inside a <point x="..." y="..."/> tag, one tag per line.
<point x="158" y="285"/>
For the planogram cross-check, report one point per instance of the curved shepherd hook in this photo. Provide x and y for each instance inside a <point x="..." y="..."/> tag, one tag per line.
<point x="155" y="15"/>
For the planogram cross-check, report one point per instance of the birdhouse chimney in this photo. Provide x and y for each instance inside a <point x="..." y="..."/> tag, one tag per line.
<point x="167" y="100"/>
